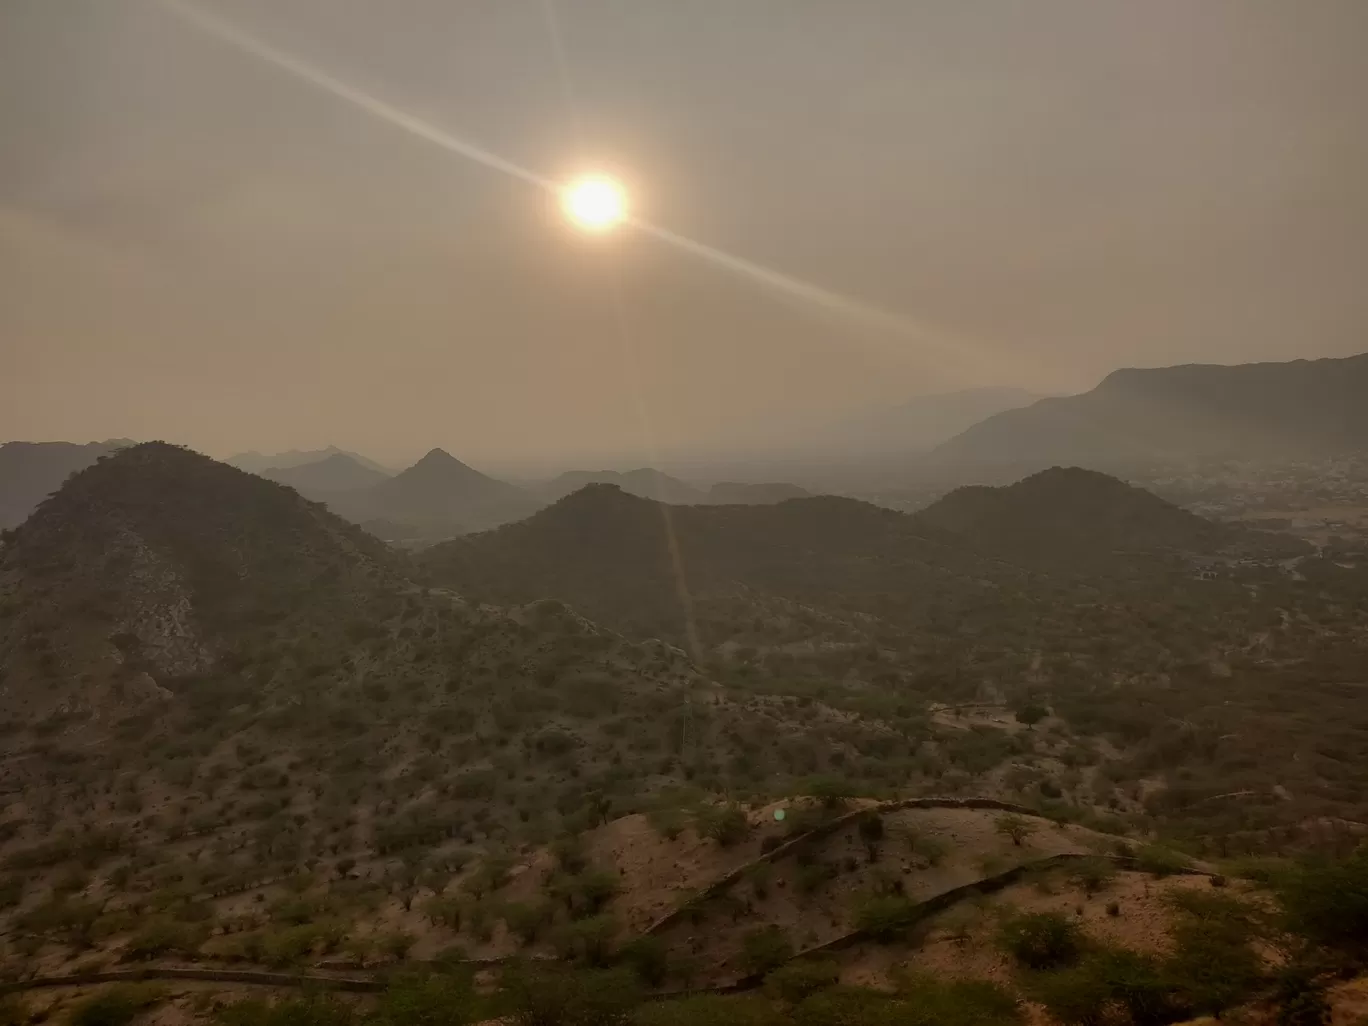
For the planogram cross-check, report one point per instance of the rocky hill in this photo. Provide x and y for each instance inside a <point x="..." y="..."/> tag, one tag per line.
<point x="1305" y="408"/>
<point x="31" y="471"/>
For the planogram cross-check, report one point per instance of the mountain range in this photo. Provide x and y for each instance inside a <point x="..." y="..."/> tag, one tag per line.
<point x="919" y="423"/>
<point x="1304" y="409"/>
<point x="259" y="463"/>
<point x="30" y="471"/>
<point x="320" y="480"/>
<point x="648" y="483"/>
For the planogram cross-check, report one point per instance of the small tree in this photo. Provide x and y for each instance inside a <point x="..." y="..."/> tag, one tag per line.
<point x="886" y="917"/>
<point x="798" y="980"/>
<point x="1042" y="940"/>
<point x="556" y="996"/>
<point x="725" y="824"/>
<point x="649" y="959"/>
<point x="765" y="949"/>
<point x="1015" y="827"/>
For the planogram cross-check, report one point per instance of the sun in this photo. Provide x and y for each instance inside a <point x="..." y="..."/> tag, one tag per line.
<point x="595" y="203"/>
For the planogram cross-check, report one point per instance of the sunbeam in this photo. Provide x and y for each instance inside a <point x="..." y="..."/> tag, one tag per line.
<point x="864" y="314"/>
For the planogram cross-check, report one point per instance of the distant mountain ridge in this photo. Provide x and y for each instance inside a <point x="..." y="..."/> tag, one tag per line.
<point x="30" y="471"/>
<point x="259" y="463"/>
<point x="646" y="482"/>
<point x="919" y="423"/>
<point x="745" y="494"/>
<point x="439" y="494"/>
<point x="1304" y="408"/>
<point x="649" y="483"/>
<point x="340" y="472"/>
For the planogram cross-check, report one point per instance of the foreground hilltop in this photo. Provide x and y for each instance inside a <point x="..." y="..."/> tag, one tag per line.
<point x="156" y="563"/>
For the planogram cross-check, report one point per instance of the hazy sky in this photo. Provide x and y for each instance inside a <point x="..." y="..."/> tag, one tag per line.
<point x="196" y="246"/>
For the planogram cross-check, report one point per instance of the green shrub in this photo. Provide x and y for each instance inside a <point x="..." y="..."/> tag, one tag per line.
<point x="319" y="1009"/>
<point x="929" y="1001"/>
<point x="115" y="1006"/>
<point x="713" y="1010"/>
<point x="1160" y="861"/>
<point x="527" y="919"/>
<point x="1093" y="875"/>
<point x="885" y="917"/>
<point x="649" y="958"/>
<point x="725" y="824"/>
<point x="931" y="848"/>
<point x="1328" y="903"/>
<point x="1212" y="966"/>
<point x="589" y="941"/>
<point x="426" y="999"/>
<point x="164" y="937"/>
<point x="1017" y="828"/>
<point x="1107" y="984"/>
<point x="1042" y="940"/>
<point x="668" y="822"/>
<point x="557" y="996"/>
<point x="795" y="981"/>
<point x="1300" y="998"/>
<point x="765" y="949"/>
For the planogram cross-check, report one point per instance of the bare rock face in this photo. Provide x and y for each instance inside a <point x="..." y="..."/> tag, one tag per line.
<point x="159" y="614"/>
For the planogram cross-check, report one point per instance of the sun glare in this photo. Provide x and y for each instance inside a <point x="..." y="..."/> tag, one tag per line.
<point x="595" y="203"/>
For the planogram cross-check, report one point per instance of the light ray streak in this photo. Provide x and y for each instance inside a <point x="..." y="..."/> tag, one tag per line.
<point x="868" y="315"/>
<point x="632" y="370"/>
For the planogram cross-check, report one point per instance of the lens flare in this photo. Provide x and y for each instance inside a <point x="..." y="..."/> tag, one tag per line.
<point x="595" y="203"/>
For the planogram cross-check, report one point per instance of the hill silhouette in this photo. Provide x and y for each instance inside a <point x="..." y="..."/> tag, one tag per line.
<point x="919" y="423"/>
<point x="30" y="471"/>
<point x="340" y="472"/>
<point x="257" y="463"/>
<point x="1305" y="408"/>
<point x="645" y="482"/>
<point x="438" y="495"/>
<point x="1063" y="512"/>
<point x="738" y="493"/>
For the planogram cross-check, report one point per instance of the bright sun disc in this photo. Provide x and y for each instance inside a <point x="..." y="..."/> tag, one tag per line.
<point x="595" y="204"/>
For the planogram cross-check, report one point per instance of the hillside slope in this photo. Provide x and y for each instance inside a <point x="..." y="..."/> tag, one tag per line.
<point x="1305" y="408"/>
